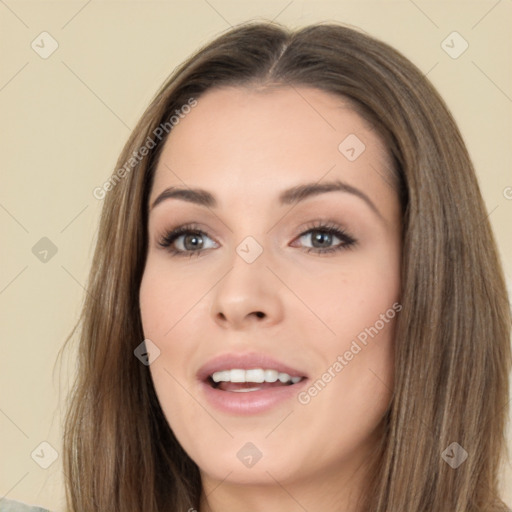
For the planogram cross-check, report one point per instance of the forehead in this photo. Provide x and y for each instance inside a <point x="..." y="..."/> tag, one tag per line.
<point x="247" y="142"/>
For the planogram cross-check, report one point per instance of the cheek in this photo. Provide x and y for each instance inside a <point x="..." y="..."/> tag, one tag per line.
<point x="168" y="305"/>
<point x="355" y="298"/>
<point x="166" y="297"/>
<point x="352" y="393"/>
<point x="360" y="306"/>
<point x="154" y="299"/>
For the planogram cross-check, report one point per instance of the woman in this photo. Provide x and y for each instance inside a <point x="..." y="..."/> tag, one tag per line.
<point x="296" y="301"/>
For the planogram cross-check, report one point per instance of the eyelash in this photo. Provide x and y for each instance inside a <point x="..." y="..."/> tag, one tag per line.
<point x="170" y="237"/>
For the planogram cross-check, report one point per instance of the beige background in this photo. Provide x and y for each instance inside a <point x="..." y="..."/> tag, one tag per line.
<point x="64" y="121"/>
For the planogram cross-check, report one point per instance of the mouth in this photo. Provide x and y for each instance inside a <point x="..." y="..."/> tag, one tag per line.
<point x="238" y="380"/>
<point x="249" y="383"/>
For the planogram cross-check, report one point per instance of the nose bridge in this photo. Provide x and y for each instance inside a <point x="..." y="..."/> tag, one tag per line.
<point x="248" y="289"/>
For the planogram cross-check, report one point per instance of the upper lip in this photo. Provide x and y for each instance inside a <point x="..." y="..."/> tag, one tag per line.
<point x="245" y="361"/>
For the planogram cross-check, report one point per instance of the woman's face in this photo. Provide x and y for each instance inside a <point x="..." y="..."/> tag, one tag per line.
<point x="248" y="287"/>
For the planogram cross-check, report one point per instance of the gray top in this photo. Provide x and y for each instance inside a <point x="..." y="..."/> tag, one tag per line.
<point x="16" y="506"/>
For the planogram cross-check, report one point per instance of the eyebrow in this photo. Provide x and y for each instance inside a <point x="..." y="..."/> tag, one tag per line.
<point x="292" y="195"/>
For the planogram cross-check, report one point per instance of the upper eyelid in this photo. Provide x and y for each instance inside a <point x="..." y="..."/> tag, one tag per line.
<point x="318" y="224"/>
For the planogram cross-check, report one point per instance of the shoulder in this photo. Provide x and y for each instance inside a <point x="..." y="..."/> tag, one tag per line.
<point x="16" y="506"/>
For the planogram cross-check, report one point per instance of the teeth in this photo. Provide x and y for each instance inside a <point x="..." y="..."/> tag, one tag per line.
<point x="284" y="377"/>
<point x="237" y="376"/>
<point x="253" y="375"/>
<point x="271" y="375"/>
<point x="221" y="376"/>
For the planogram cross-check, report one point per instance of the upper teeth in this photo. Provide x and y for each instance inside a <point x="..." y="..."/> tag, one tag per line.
<point x="255" y="375"/>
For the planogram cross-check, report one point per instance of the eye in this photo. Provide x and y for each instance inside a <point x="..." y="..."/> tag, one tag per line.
<point x="189" y="240"/>
<point x="186" y="240"/>
<point x="324" y="235"/>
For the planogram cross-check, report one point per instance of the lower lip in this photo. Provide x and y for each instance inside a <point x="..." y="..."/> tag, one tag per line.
<point x="250" y="402"/>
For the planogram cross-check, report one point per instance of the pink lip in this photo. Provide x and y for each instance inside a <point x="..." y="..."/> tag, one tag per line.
<point x="252" y="402"/>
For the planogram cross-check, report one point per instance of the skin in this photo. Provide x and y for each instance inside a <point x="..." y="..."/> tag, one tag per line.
<point x="246" y="145"/>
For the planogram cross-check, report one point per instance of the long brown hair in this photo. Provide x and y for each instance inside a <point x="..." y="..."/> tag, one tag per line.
<point x="453" y="355"/>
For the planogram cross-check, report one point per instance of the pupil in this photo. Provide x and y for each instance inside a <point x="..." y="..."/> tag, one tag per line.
<point x="197" y="241"/>
<point x="320" y="236"/>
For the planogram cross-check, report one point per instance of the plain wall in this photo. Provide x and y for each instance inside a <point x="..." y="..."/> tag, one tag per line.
<point x="65" y="119"/>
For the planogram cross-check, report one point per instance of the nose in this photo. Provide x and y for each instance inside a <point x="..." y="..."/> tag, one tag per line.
<point x="249" y="294"/>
